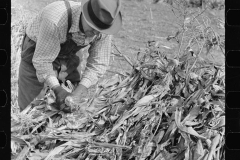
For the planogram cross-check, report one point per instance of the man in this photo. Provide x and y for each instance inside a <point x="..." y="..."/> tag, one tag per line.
<point x="52" y="40"/>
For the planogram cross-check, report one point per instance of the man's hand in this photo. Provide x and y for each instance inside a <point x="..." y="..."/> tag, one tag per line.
<point x="79" y="93"/>
<point x="61" y="94"/>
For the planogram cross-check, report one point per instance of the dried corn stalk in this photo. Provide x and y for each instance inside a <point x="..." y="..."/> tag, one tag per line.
<point x="159" y="111"/>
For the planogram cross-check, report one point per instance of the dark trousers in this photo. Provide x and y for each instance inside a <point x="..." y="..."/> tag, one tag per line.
<point x="28" y="85"/>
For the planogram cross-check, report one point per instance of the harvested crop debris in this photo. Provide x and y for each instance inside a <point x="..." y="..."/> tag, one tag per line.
<point x="164" y="108"/>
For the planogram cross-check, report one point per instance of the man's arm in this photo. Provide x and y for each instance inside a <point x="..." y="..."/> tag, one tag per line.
<point x="47" y="49"/>
<point x="98" y="61"/>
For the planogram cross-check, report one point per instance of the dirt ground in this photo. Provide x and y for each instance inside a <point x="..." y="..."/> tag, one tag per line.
<point x="142" y="21"/>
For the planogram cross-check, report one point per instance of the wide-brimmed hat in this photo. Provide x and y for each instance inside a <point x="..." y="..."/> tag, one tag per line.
<point x="103" y="15"/>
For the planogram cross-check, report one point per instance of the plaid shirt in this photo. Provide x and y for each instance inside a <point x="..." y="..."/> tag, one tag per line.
<point x="49" y="29"/>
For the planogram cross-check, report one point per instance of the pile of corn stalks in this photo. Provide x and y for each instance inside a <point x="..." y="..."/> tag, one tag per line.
<point x="165" y="109"/>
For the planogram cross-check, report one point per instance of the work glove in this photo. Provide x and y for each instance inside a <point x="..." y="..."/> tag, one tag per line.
<point x="61" y="95"/>
<point x="79" y="94"/>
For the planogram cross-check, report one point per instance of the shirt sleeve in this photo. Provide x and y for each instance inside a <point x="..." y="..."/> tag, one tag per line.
<point x="47" y="49"/>
<point x="98" y="60"/>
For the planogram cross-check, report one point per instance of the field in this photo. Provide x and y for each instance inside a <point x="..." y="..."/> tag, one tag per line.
<point x="143" y="21"/>
<point x="144" y="24"/>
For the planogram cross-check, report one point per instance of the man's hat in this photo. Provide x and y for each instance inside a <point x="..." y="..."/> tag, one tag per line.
<point x="103" y="15"/>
